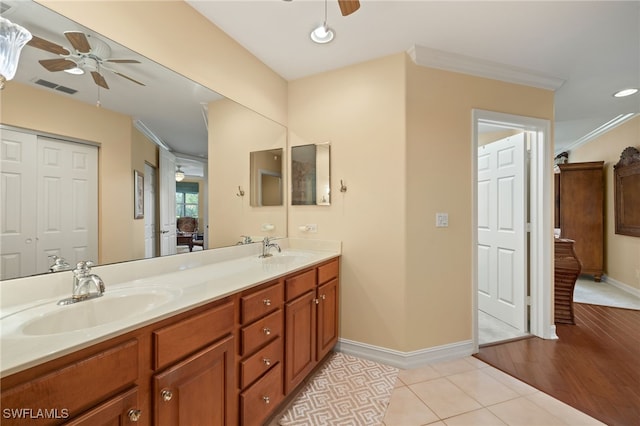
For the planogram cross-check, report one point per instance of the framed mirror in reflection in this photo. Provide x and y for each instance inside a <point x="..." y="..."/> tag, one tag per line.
<point x="266" y="178"/>
<point x="310" y="175"/>
<point x="131" y="126"/>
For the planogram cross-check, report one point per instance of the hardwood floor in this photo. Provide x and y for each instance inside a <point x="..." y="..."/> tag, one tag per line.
<point x="594" y="366"/>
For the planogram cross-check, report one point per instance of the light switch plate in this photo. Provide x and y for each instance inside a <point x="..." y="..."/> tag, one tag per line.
<point x="442" y="220"/>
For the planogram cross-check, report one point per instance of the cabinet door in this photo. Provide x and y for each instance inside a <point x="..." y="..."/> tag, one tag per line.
<point x="300" y="340"/>
<point x="120" y="410"/>
<point x="198" y="390"/>
<point x="327" y="317"/>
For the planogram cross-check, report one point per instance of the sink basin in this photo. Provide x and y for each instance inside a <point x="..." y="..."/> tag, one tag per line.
<point x="115" y="306"/>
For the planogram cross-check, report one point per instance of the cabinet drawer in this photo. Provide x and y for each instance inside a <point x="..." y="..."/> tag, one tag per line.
<point x="261" y="331"/>
<point x="179" y="340"/>
<point x="257" y="402"/>
<point x="328" y="271"/>
<point x="119" y="410"/>
<point x="254" y="366"/>
<point x="260" y="303"/>
<point x="300" y="284"/>
<point x="76" y="387"/>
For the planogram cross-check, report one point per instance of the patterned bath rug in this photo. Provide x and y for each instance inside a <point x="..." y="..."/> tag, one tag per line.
<point x="347" y="391"/>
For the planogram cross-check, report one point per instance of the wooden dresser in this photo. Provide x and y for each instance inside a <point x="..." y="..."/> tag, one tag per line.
<point x="566" y="272"/>
<point x="580" y="212"/>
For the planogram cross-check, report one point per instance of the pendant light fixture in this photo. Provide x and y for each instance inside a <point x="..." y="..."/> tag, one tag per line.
<point x="179" y="174"/>
<point x="323" y="34"/>
<point x="12" y="39"/>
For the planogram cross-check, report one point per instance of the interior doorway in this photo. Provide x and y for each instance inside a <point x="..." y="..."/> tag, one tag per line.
<point x="539" y="224"/>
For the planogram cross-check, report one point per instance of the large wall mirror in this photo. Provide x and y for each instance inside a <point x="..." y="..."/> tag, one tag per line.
<point x="129" y="107"/>
<point x="310" y="175"/>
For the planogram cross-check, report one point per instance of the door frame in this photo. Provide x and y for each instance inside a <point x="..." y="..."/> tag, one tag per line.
<point x="540" y="218"/>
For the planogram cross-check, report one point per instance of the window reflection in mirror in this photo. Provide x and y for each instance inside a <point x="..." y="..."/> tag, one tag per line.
<point x="266" y="178"/>
<point x="310" y="175"/>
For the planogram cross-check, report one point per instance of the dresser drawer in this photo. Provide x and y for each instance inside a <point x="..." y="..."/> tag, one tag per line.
<point x="254" y="366"/>
<point x="257" y="402"/>
<point x="261" y="302"/>
<point x="328" y="271"/>
<point x="300" y="284"/>
<point x="261" y="332"/>
<point x="178" y="340"/>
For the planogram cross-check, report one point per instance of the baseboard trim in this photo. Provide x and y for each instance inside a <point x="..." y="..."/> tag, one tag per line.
<point x="405" y="360"/>
<point x="622" y="286"/>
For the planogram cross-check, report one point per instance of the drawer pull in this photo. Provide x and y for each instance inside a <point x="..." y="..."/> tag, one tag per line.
<point x="267" y="302"/>
<point x="266" y="399"/>
<point x="134" y="414"/>
<point x="166" y="395"/>
<point x="266" y="331"/>
<point x="266" y="361"/>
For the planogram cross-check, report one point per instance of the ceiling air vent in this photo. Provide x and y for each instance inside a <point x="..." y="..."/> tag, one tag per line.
<point x="55" y="86"/>
<point x="4" y="7"/>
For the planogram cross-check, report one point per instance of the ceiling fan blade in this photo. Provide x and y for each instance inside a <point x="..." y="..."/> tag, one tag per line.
<point x="128" y="78"/>
<point x="347" y="7"/>
<point x="123" y="61"/>
<point x="78" y="40"/>
<point x="54" y="65"/>
<point x="99" y="79"/>
<point x="48" y="46"/>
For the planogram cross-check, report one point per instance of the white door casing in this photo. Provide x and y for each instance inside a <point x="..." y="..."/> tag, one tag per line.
<point x="502" y="242"/>
<point x="167" y="196"/>
<point x="150" y="225"/>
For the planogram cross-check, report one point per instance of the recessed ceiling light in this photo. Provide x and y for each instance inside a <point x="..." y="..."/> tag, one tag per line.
<point x="625" y="92"/>
<point x="322" y="34"/>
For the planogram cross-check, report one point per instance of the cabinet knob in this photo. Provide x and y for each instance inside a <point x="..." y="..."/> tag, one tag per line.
<point x="134" y="414"/>
<point x="266" y="331"/>
<point x="266" y="361"/>
<point x="166" y="395"/>
<point x="267" y="302"/>
<point x="323" y="297"/>
<point x="266" y="399"/>
<point x="317" y="301"/>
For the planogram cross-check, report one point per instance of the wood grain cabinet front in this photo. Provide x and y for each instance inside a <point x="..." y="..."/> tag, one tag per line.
<point x="196" y="391"/>
<point x="261" y="399"/>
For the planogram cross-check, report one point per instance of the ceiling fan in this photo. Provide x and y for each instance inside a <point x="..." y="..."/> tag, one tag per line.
<point x="347" y="7"/>
<point x="85" y="55"/>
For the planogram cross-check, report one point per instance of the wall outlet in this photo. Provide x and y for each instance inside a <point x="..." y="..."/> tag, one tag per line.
<point x="442" y="220"/>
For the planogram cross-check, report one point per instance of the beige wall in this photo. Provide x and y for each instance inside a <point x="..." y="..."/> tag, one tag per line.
<point x="175" y="35"/>
<point x="38" y="109"/>
<point x="234" y="132"/>
<point x="438" y="169"/>
<point x="622" y="252"/>
<point x="142" y="151"/>
<point x="401" y="140"/>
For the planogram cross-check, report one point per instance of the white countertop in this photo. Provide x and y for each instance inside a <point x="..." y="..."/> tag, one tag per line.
<point x="190" y="281"/>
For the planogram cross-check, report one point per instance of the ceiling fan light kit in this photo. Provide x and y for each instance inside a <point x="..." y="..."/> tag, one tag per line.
<point x="12" y="39"/>
<point x="323" y="34"/>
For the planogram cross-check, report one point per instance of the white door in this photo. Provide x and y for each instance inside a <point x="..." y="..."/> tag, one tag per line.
<point x="67" y="181"/>
<point x="18" y="204"/>
<point x="167" y="203"/>
<point x="502" y="249"/>
<point x="150" y="225"/>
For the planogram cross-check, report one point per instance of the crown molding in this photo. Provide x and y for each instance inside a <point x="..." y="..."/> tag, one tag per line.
<point x="433" y="58"/>
<point x="599" y="131"/>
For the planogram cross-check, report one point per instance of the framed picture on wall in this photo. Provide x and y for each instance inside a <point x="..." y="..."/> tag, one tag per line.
<point x="138" y="195"/>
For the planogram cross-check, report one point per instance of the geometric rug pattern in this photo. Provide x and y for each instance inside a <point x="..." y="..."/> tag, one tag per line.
<point x="347" y="391"/>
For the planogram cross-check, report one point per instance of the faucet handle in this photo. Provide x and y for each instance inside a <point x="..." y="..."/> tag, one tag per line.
<point x="83" y="267"/>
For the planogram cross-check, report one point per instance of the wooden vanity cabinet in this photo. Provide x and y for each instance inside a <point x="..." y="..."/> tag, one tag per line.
<point x="261" y="331"/>
<point x="311" y="320"/>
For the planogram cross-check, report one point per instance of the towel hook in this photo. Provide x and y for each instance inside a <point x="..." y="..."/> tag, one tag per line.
<point x="240" y="192"/>
<point x="343" y="187"/>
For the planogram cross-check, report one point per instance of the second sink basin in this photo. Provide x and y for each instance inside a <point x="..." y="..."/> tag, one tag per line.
<point x="118" y="305"/>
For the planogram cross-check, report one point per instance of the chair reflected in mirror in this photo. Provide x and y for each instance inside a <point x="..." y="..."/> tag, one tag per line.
<point x="187" y="234"/>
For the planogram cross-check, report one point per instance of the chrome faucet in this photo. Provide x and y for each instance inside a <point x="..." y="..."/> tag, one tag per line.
<point x="246" y="239"/>
<point x="83" y="281"/>
<point x="266" y="245"/>
<point x="59" y="264"/>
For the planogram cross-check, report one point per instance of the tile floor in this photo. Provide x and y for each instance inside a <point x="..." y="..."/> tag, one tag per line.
<point x="467" y="391"/>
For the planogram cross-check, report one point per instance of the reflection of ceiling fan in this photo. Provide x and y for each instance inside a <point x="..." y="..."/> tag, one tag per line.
<point x="85" y="55"/>
<point x="347" y="7"/>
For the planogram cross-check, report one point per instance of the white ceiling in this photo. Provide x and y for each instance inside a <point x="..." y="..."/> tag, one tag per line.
<point x="594" y="47"/>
